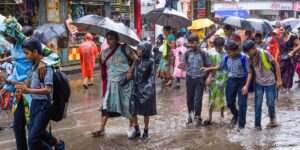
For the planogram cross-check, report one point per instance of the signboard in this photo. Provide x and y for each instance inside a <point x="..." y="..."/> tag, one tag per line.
<point x="296" y="6"/>
<point x="253" y="6"/>
<point x="201" y="9"/>
<point x="53" y="11"/>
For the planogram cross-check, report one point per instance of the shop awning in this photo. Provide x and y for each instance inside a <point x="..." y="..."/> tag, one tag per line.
<point x="224" y="13"/>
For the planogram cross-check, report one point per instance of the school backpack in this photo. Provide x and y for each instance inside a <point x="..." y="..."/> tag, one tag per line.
<point x="61" y="94"/>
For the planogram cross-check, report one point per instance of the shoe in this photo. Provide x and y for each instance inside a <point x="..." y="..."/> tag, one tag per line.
<point x="91" y="84"/>
<point x="189" y="121"/>
<point x="144" y="138"/>
<point x="234" y="120"/>
<point x="207" y="122"/>
<point x="272" y="123"/>
<point x="239" y="129"/>
<point x="176" y="87"/>
<point x="61" y="145"/>
<point x="198" y="121"/>
<point x="85" y="86"/>
<point x="258" y="128"/>
<point x="135" y="134"/>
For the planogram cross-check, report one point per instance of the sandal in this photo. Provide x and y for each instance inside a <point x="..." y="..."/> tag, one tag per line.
<point x="97" y="133"/>
<point x="207" y="122"/>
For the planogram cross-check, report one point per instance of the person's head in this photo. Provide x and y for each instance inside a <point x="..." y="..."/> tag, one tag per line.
<point x="277" y="24"/>
<point x="219" y="44"/>
<point x="285" y="29"/>
<point x="212" y="29"/>
<point x="232" y="49"/>
<point x="166" y="30"/>
<point x="112" y="39"/>
<point x="274" y="34"/>
<point x="88" y="37"/>
<point x="27" y="31"/>
<point x="144" y="50"/>
<point x="249" y="48"/>
<point x="32" y="49"/>
<point x="228" y="30"/>
<point x="180" y="42"/>
<point x="193" y="41"/>
<point x="258" y="38"/>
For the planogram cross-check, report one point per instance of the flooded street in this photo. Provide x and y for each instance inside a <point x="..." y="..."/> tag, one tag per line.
<point x="168" y="129"/>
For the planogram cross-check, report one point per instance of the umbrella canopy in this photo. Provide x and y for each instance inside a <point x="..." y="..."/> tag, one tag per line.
<point x="260" y="25"/>
<point x="126" y="34"/>
<point x="295" y="29"/>
<point x="168" y="17"/>
<point x="4" y="45"/>
<point x="236" y="22"/>
<point x="49" y="31"/>
<point x="87" y="22"/>
<point x="200" y="23"/>
<point x="291" y="21"/>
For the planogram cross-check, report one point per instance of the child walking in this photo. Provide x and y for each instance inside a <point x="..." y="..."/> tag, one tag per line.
<point x="217" y="88"/>
<point x="38" y="138"/>
<point x="239" y="78"/>
<point x="179" y="53"/>
<point x="143" y="100"/>
<point x="267" y="80"/>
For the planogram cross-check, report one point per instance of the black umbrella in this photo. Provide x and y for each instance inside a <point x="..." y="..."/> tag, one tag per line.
<point x="87" y="22"/>
<point x="49" y="31"/>
<point x="237" y="22"/>
<point x="168" y="17"/>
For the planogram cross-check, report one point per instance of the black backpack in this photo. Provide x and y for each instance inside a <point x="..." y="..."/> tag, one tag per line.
<point x="61" y="94"/>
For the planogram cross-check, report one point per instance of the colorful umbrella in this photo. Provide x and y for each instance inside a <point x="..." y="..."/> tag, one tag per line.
<point x="200" y="23"/>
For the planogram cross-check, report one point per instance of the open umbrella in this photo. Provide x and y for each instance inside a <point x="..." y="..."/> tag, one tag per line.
<point x="200" y="23"/>
<point x="236" y="22"/>
<point x="126" y="34"/>
<point x="290" y="21"/>
<point x="87" y="22"/>
<point x="168" y="17"/>
<point x="49" y="31"/>
<point x="295" y="29"/>
<point x="260" y="25"/>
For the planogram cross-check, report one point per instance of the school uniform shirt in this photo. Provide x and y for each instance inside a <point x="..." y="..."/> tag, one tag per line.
<point x="263" y="76"/>
<point x="235" y="67"/>
<point x="195" y="63"/>
<point x="36" y="83"/>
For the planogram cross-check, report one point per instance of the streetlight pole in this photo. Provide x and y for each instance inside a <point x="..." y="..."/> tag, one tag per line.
<point x="237" y="7"/>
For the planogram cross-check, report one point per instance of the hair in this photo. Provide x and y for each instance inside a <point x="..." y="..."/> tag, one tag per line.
<point x="232" y="46"/>
<point x="32" y="44"/>
<point x="258" y="35"/>
<point x="167" y="28"/>
<point x="248" y="44"/>
<point x="213" y="26"/>
<point x="228" y="27"/>
<point x="113" y="34"/>
<point x="219" y="42"/>
<point x="193" y="37"/>
<point x="287" y="27"/>
<point x="27" y="31"/>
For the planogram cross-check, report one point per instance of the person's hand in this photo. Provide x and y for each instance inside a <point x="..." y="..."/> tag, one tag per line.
<point x="279" y="83"/>
<point x="2" y="60"/>
<point x="290" y="55"/>
<point x="129" y="75"/>
<point x="21" y="87"/>
<point x="245" y="90"/>
<point x="3" y="80"/>
<point x="208" y="82"/>
<point x="41" y="70"/>
<point x="204" y="69"/>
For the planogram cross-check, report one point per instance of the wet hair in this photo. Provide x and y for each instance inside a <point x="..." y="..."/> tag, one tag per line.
<point x="113" y="34"/>
<point x="258" y="35"/>
<point x="213" y="27"/>
<point x="287" y="27"/>
<point x="248" y="44"/>
<point x="27" y="31"/>
<point x="32" y="44"/>
<point x="232" y="46"/>
<point x="193" y="37"/>
<point x="219" y="42"/>
<point x="228" y="27"/>
<point x="167" y="28"/>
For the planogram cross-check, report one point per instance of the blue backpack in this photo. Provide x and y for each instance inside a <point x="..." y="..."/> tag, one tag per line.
<point x="243" y="59"/>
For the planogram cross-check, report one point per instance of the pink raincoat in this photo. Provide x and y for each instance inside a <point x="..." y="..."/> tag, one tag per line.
<point x="179" y="58"/>
<point x="88" y="51"/>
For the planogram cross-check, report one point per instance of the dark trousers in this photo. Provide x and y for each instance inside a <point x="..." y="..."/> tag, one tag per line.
<point x="39" y="138"/>
<point x="234" y="88"/>
<point x="19" y="126"/>
<point x="194" y="89"/>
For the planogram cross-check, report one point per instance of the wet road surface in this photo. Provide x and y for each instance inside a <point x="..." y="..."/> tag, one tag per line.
<point x="168" y="129"/>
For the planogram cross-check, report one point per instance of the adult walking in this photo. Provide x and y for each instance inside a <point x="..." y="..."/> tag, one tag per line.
<point x="117" y="74"/>
<point x="88" y="51"/>
<point x="289" y="45"/>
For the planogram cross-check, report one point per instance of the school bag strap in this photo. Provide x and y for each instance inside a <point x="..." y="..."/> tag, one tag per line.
<point x="265" y="61"/>
<point x="203" y="57"/>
